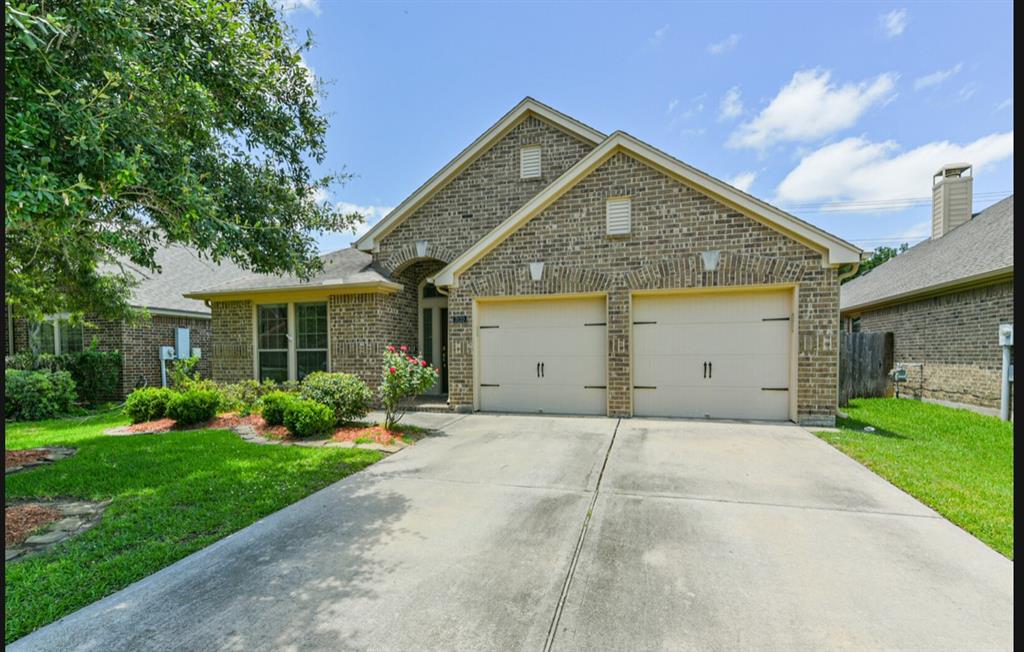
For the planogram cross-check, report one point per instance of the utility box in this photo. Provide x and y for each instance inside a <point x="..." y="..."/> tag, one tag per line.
<point x="166" y="352"/>
<point x="197" y="352"/>
<point x="182" y="343"/>
<point x="1006" y="335"/>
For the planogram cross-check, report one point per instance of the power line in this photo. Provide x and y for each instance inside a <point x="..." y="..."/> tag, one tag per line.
<point x="878" y="204"/>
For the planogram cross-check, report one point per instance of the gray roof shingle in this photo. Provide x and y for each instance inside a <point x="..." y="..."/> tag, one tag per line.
<point x="181" y="269"/>
<point x="342" y="267"/>
<point x="982" y="245"/>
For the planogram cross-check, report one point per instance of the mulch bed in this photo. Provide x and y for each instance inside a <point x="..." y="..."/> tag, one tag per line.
<point x="377" y="434"/>
<point x="21" y="521"/>
<point x="23" y="457"/>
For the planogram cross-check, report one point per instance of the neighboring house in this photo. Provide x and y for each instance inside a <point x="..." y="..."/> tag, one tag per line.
<point x="945" y="298"/>
<point x="551" y="268"/>
<point x="161" y="294"/>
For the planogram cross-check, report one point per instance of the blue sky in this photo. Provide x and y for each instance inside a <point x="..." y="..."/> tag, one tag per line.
<point x="814" y="107"/>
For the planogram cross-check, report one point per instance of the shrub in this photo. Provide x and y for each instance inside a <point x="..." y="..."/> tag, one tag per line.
<point x="97" y="374"/>
<point x="33" y="395"/>
<point x="273" y="406"/>
<point x="305" y="418"/>
<point x="345" y="394"/>
<point x="244" y="397"/>
<point x="403" y="377"/>
<point x="193" y="406"/>
<point x="147" y="403"/>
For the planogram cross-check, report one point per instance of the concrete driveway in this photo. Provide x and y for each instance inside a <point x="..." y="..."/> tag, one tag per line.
<point x="534" y="533"/>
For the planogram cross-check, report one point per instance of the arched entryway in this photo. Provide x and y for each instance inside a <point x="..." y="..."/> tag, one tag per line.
<point x="433" y="333"/>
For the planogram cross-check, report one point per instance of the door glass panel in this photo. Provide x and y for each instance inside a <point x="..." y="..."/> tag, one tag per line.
<point x="428" y="335"/>
<point x="70" y="337"/>
<point x="272" y="337"/>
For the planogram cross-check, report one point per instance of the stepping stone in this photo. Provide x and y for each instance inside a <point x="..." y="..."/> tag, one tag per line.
<point x="310" y="444"/>
<point x="49" y="537"/>
<point x="339" y="444"/>
<point x="68" y="524"/>
<point x="12" y="469"/>
<point x="11" y="553"/>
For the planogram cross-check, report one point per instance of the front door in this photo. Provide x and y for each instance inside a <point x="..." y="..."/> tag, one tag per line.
<point x="434" y="334"/>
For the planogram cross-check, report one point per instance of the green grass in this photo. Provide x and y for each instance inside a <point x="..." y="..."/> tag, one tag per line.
<point x="171" y="495"/>
<point x="958" y="462"/>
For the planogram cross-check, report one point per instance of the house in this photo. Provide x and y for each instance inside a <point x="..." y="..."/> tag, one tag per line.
<point x="944" y="298"/>
<point x="552" y="268"/>
<point x="161" y="294"/>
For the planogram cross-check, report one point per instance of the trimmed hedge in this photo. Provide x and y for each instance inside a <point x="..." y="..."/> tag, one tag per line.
<point x="306" y="418"/>
<point x="147" y="403"/>
<point x="347" y="395"/>
<point x="193" y="406"/>
<point x="273" y="406"/>
<point x="34" y="395"/>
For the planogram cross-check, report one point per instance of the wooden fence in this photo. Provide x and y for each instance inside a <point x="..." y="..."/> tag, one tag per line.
<point x="865" y="360"/>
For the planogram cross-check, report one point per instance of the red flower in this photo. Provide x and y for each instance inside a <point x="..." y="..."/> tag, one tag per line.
<point x="391" y="369"/>
<point x="423" y="363"/>
<point x="391" y="348"/>
<point x="404" y="348"/>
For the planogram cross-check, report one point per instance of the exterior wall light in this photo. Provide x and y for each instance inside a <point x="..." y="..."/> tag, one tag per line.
<point x="710" y="259"/>
<point x="536" y="271"/>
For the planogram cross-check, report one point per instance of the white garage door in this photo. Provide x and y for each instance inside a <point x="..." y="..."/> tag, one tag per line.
<point x="543" y="356"/>
<point x="721" y="356"/>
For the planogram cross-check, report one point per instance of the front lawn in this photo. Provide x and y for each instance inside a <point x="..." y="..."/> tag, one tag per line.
<point x="958" y="462"/>
<point x="172" y="494"/>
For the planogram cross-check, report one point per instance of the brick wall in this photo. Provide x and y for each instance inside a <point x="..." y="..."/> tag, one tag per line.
<point x="955" y="336"/>
<point x="232" y="341"/>
<point x="671" y="225"/>
<point x="140" y="345"/>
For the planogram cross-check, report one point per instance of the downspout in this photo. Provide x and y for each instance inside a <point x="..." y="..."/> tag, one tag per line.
<point x="850" y="272"/>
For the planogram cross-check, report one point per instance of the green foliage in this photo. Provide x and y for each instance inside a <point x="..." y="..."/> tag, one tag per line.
<point x="147" y="403"/>
<point x="346" y="394"/>
<point x="171" y="496"/>
<point x="305" y="418"/>
<point x="34" y="395"/>
<point x="403" y="377"/>
<point x="97" y="374"/>
<point x="183" y="372"/>
<point x="193" y="406"/>
<point x="879" y="256"/>
<point x="244" y="397"/>
<point x="129" y="125"/>
<point x="273" y="405"/>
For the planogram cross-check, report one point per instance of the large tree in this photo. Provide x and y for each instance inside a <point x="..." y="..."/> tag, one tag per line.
<point x="130" y="124"/>
<point x="878" y="256"/>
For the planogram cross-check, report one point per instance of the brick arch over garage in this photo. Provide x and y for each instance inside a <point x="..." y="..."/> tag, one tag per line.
<point x="687" y="271"/>
<point x="410" y="253"/>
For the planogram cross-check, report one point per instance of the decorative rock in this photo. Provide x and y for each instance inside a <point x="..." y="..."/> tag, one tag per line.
<point x="11" y="553"/>
<point x="79" y="516"/>
<point x="68" y="524"/>
<point x="48" y="537"/>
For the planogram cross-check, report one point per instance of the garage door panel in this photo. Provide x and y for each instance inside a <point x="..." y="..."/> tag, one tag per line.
<point x="567" y="336"/>
<point x="711" y="402"/>
<point x="746" y="338"/>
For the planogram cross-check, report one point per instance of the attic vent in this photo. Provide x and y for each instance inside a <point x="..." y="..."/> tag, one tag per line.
<point x="529" y="162"/>
<point x="619" y="215"/>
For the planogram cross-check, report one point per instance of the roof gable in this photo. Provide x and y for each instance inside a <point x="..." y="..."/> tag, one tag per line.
<point x="496" y="132"/>
<point x="835" y="251"/>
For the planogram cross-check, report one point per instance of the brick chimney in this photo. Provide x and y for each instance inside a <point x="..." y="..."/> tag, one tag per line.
<point x="952" y="197"/>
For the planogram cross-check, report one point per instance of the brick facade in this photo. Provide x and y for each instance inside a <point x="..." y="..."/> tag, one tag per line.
<point x="671" y="224"/>
<point x="955" y="337"/>
<point x="139" y="344"/>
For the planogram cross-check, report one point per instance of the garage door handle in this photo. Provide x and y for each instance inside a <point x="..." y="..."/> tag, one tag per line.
<point x="709" y="370"/>
<point x="705" y="370"/>
<point x="538" y="370"/>
<point x="542" y="370"/>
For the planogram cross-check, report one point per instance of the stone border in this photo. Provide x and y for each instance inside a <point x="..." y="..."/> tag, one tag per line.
<point x="78" y="516"/>
<point x="55" y="454"/>
<point x="249" y="434"/>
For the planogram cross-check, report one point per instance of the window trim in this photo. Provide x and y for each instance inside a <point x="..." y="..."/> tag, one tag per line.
<point x="292" y="336"/>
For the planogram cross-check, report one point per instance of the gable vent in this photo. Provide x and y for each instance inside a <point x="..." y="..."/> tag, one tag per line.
<point x="619" y="215"/>
<point x="529" y="162"/>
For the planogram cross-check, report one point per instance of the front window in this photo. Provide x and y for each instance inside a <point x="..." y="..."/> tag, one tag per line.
<point x="55" y="336"/>
<point x="272" y="338"/>
<point x="311" y="342"/>
<point x="291" y="340"/>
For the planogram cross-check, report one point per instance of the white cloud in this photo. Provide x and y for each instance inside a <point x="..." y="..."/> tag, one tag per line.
<point x="894" y="22"/>
<point x="659" y="35"/>
<point x="672" y="105"/>
<point x="288" y="6"/>
<point x="731" y="105"/>
<point x="967" y="92"/>
<point x="937" y="77"/>
<point x="811" y="107"/>
<point x="856" y="169"/>
<point x="743" y="180"/>
<point x="1005" y="104"/>
<point x="727" y="44"/>
<point x="372" y="214"/>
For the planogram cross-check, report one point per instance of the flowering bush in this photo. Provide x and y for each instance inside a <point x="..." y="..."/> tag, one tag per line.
<point x="403" y="377"/>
